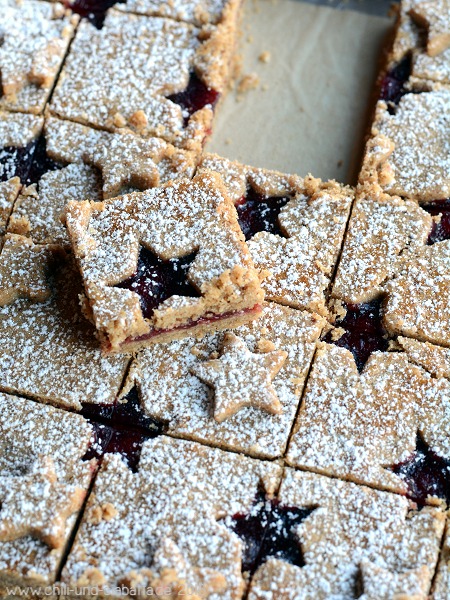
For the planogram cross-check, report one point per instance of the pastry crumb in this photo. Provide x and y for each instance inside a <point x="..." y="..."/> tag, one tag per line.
<point x="265" y="57"/>
<point x="248" y="82"/>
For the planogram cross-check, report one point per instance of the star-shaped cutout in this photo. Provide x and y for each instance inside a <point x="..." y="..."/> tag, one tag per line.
<point x="268" y="530"/>
<point x="37" y="504"/>
<point x="434" y="15"/>
<point x="426" y="474"/>
<point x="241" y="378"/>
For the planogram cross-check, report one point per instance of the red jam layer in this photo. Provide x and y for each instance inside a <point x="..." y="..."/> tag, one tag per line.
<point x="364" y="332"/>
<point x="425" y="473"/>
<point x="441" y="230"/>
<point x="257" y="212"/>
<point x="156" y="280"/>
<point x="268" y="530"/>
<point x="201" y="321"/>
<point x="195" y="97"/>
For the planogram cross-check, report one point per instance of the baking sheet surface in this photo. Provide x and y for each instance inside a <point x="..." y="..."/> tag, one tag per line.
<point x="309" y="110"/>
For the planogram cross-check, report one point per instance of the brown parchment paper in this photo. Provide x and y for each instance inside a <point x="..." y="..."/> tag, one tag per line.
<point x="309" y="111"/>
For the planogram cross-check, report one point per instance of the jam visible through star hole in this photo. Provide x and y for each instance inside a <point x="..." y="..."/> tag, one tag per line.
<point x="425" y="473"/>
<point x="195" y="97"/>
<point x="257" y="212"/>
<point x="440" y="230"/>
<point x="156" y="280"/>
<point x="16" y="162"/>
<point x="121" y="427"/>
<point x="364" y="332"/>
<point x="268" y="530"/>
<point x="393" y="83"/>
<point x="93" y="10"/>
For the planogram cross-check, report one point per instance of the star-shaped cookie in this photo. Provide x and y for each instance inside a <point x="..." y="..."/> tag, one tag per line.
<point x="126" y="161"/>
<point x="37" y="504"/>
<point x="241" y="378"/>
<point x="434" y="15"/>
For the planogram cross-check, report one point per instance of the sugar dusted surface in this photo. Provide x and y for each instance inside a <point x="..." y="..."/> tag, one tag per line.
<point x="170" y="393"/>
<point x="173" y="221"/>
<point x="140" y="62"/>
<point x="356" y="426"/>
<point x="124" y="159"/>
<point x="49" y="350"/>
<point x="180" y="493"/>
<point x="38" y="212"/>
<point x="354" y="535"/>
<point x="418" y="303"/>
<point x="381" y="228"/>
<point x="16" y="131"/>
<point x="300" y="264"/>
<point x="8" y="194"/>
<point x="416" y="161"/>
<point x="35" y="36"/>
<point x="45" y="432"/>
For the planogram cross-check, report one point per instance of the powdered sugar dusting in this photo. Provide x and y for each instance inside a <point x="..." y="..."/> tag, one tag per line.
<point x="170" y="393"/>
<point x="181" y="492"/>
<point x="356" y="425"/>
<point x="49" y="350"/>
<point x="354" y="538"/>
<point x="35" y="37"/>
<point x="63" y="439"/>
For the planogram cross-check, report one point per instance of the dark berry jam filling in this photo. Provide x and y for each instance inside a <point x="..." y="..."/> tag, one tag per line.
<point x="93" y="10"/>
<point x="364" y="332"/>
<point x="259" y="213"/>
<point x="268" y="530"/>
<point x="441" y="230"/>
<point x="195" y="97"/>
<point x="16" y="162"/>
<point x="129" y="413"/>
<point x="41" y="163"/>
<point x="121" y="427"/>
<point x="156" y="280"/>
<point x="425" y="473"/>
<point x="393" y="83"/>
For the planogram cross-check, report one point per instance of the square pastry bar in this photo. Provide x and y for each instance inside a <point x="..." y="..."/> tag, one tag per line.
<point x="35" y="38"/>
<point x="354" y="542"/>
<point x="294" y="228"/>
<point x="152" y="75"/>
<point x="198" y="521"/>
<point x="49" y="350"/>
<point x="173" y="524"/>
<point x="386" y="426"/>
<point x="419" y="56"/>
<point x="157" y="265"/>
<point x="75" y="162"/>
<point x="44" y="480"/>
<point x="239" y="389"/>
<point x="409" y="150"/>
<point x="398" y="253"/>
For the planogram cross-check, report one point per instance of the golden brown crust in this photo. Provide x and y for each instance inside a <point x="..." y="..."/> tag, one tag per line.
<point x="174" y="220"/>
